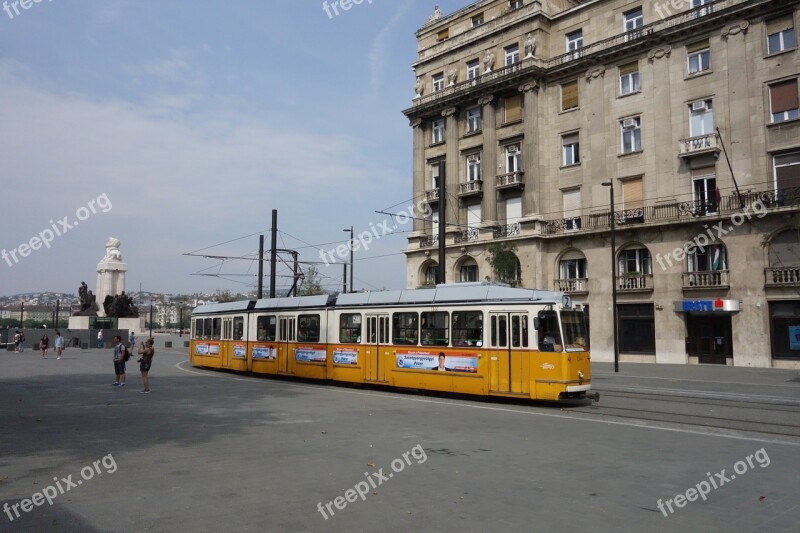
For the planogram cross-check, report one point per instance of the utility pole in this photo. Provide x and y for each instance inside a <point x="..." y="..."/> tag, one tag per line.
<point x="58" y="306"/>
<point x="344" y="278"/>
<point x="273" y="253"/>
<point x="352" y="287"/>
<point x="442" y="219"/>
<point x="260" y="267"/>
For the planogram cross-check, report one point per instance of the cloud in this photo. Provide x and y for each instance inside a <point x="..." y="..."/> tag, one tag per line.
<point x="380" y="51"/>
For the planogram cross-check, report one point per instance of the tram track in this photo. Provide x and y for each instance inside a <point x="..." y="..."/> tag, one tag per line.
<point x="724" y="413"/>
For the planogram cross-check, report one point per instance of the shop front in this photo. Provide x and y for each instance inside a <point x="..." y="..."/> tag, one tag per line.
<point x="709" y="334"/>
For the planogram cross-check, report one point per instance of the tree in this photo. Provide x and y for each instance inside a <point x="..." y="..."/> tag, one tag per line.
<point x="503" y="258"/>
<point x="311" y="283"/>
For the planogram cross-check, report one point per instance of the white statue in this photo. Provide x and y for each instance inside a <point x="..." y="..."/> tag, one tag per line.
<point x="419" y="88"/>
<point x="437" y="14"/>
<point x="112" y="250"/>
<point x="488" y="60"/>
<point x="530" y="46"/>
<point x="451" y="76"/>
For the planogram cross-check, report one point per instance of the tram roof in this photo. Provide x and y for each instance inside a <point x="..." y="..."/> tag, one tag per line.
<point x="450" y="293"/>
<point x="226" y="307"/>
<point x="322" y="300"/>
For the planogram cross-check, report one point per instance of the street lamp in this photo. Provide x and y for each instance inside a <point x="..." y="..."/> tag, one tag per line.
<point x="352" y="288"/>
<point x="610" y="184"/>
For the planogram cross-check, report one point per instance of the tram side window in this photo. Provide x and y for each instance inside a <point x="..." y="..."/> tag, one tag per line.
<point x="519" y="331"/>
<point x="207" y="328"/>
<point x="266" y="328"/>
<point x="216" y="328"/>
<point x="308" y="328"/>
<point x="436" y="328"/>
<point x="197" y="329"/>
<point x="405" y="328"/>
<point x="548" y="332"/>
<point x="467" y="328"/>
<point x="238" y="328"/>
<point x="350" y="328"/>
<point x="574" y="330"/>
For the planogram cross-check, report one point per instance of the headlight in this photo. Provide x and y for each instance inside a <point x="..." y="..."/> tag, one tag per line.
<point x="580" y="374"/>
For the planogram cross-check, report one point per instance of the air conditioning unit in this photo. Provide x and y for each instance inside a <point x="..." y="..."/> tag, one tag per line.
<point x="629" y="123"/>
<point x="699" y="106"/>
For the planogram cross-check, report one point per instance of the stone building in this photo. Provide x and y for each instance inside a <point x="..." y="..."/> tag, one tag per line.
<point x="531" y="112"/>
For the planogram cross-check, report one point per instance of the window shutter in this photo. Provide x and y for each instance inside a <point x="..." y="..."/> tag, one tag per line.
<point x="569" y="95"/>
<point x="570" y="139"/>
<point x="783" y="96"/>
<point x="572" y="255"/>
<point x="513" y="210"/>
<point x="629" y="68"/>
<point x="572" y="203"/>
<point x="696" y="47"/>
<point x="513" y="111"/>
<point x="632" y="193"/>
<point x="474" y="215"/>
<point x="703" y="172"/>
<point x="779" y="25"/>
<point x="788" y="177"/>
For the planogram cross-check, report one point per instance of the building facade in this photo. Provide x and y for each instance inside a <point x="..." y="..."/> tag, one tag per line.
<point x="528" y="114"/>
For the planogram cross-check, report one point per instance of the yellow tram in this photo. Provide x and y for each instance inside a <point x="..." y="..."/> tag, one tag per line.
<point x="471" y="338"/>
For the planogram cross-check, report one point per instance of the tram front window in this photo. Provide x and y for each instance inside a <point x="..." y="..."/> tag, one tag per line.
<point x="574" y="330"/>
<point x="548" y="332"/>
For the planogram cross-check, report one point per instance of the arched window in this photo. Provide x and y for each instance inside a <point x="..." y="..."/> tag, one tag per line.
<point x="784" y="249"/>
<point x="430" y="273"/>
<point x="709" y="258"/>
<point x="635" y="260"/>
<point x="468" y="271"/>
<point x="572" y="272"/>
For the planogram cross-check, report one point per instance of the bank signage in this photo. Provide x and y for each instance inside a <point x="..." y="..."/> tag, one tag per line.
<point x="715" y="305"/>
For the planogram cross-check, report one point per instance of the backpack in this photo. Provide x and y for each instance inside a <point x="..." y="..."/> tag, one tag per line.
<point x="124" y="353"/>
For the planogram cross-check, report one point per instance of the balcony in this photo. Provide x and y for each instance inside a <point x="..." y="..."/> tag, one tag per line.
<point x="508" y="230"/>
<point x="429" y="241"/>
<point x="576" y="285"/>
<point x="432" y="196"/>
<point x="468" y="235"/>
<point x="512" y="180"/>
<point x="757" y="202"/>
<point x="714" y="279"/>
<point x="788" y="276"/>
<point x="635" y="282"/>
<point x="700" y="145"/>
<point x="470" y="188"/>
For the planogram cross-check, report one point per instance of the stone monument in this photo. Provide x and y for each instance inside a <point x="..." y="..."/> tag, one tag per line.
<point x="110" y="274"/>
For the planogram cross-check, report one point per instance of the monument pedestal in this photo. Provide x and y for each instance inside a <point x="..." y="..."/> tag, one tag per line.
<point x="78" y="322"/>
<point x="135" y="325"/>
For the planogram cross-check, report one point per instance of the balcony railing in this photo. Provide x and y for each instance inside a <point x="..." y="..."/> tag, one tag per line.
<point x="642" y="34"/>
<point x="512" y="179"/>
<point x="468" y="235"/>
<point x="635" y="282"/>
<point x="429" y="241"/>
<point x="470" y="188"/>
<point x="572" y="285"/>
<point x="705" y="280"/>
<point x="432" y="195"/>
<point x="702" y="144"/>
<point x="755" y="202"/>
<point x="508" y="230"/>
<point x="782" y="276"/>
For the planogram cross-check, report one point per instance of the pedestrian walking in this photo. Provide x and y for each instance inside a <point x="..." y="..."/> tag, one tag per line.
<point x="132" y="340"/>
<point x="16" y="340"/>
<point x="59" y="345"/>
<point x="21" y="340"/>
<point x="121" y="356"/>
<point x="44" y="345"/>
<point x="147" y="352"/>
<point x="100" y="339"/>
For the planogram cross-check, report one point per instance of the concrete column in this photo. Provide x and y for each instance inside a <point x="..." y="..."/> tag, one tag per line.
<point x="530" y="148"/>
<point x="452" y="165"/>
<point x="418" y="169"/>
<point x="489" y="159"/>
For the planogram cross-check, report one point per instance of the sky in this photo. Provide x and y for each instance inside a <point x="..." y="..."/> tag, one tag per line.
<point x="177" y="126"/>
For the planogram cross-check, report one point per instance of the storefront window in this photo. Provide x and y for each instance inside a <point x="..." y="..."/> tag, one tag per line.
<point x="785" y="329"/>
<point x="637" y="329"/>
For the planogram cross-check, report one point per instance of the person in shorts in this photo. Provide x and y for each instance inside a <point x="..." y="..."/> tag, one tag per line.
<point x="120" y="356"/>
<point x="59" y="345"/>
<point x="44" y="345"/>
<point x="147" y="352"/>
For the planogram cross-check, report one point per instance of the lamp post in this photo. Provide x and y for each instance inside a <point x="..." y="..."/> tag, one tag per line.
<point x="610" y="184"/>
<point x="352" y="288"/>
<point x="180" y="320"/>
<point x="151" y="319"/>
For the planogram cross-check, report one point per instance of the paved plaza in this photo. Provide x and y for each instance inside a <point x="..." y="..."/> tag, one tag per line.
<point x="209" y="451"/>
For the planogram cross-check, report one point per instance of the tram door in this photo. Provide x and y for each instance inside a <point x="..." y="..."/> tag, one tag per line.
<point x="377" y="340"/>
<point x="508" y="343"/>
<point x="225" y="346"/>
<point x="286" y="337"/>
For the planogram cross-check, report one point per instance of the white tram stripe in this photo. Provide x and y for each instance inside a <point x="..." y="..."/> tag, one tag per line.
<point x="730" y="434"/>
